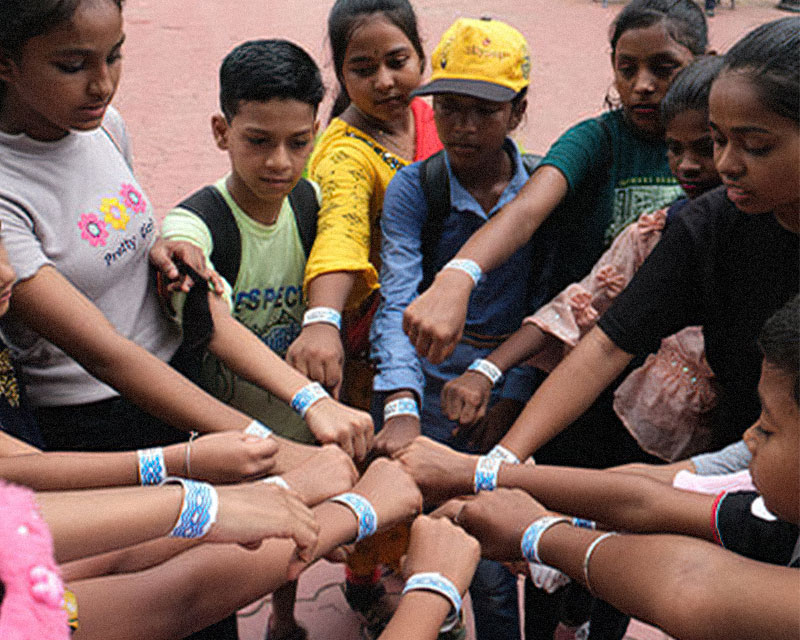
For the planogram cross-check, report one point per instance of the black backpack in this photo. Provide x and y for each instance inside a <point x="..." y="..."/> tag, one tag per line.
<point x="436" y="188"/>
<point x="210" y="206"/>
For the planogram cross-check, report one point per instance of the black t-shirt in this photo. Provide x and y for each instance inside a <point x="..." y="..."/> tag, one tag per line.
<point x="726" y="271"/>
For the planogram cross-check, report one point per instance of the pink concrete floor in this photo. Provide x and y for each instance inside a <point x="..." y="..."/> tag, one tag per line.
<point x="168" y="94"/>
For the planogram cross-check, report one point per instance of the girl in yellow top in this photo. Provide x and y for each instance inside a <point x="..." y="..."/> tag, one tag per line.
<point x="376" y="129"/>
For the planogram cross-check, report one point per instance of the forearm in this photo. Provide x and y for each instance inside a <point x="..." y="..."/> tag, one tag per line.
<point x="419" y="615"/>
<point x="524" y="343"/>
<point x="128" y="560"/>
<point x="645" y="576"/>
<point x="331" y="289"/>
<point x="567" y="392"/>
<point x="87" y="523"/>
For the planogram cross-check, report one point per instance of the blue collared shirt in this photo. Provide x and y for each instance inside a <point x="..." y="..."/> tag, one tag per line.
<point x="496" y="307"/>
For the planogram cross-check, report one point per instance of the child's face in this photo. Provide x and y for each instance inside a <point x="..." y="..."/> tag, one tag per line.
<point x="757" y="151"/>
<point x="268" y="144"/>
<point x="645" y="62"/>
<point x="471" y="129"/>
<point x="774" y="441"/>
<point x="65" y="78"/>
<point x="381" y="69"/>
<point x="690" y="152"/>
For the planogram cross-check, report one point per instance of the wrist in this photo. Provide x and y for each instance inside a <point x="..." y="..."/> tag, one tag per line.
<point x="467" y="267"/>
<point x="363" y="510"/>
<point x="487" y="369"/>
<point x="307" y="396"/>
<point x="402" y="406"/>
<point x="455" y="283"/>
<point x="325" y="316"/>
<point x="529" y="544"/>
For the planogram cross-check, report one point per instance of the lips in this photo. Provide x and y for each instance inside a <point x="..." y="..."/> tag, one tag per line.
<point x="95" y="110"/>
<point x="736" y="194"/>
<point x="645" y="109"/>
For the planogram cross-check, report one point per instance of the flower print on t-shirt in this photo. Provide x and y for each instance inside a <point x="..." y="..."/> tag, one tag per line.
<point x="115" y="213"/>
<point x="132" y="199"/>
<point x="93" y="229"/>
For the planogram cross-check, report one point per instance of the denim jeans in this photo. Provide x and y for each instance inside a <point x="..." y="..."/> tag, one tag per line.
<point x="495" y="603"/>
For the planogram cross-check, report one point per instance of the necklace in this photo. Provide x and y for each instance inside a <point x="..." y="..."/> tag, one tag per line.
<point x="398" y="142"/>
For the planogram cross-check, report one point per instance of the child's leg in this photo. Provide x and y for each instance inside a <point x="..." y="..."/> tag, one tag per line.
<point x="282" y="623"/>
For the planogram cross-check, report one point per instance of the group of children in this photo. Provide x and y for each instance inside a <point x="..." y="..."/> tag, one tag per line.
<point x="404" y="301"/>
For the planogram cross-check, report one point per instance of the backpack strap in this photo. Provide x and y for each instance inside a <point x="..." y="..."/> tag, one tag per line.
<point x="305" y="206"/>
<point x="210" y="206"/>
<point x="436" y="188"/>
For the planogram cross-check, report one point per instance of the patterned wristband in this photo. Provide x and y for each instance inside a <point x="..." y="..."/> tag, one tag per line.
<point x="400" y="407"/>
<point x="278" y="481"/>
<point x="583" y="523"/>
<point x="532" y="535"/>
<point x="198" y="511"/>
<point x="325" y="315"/>
<point x="365" y="512"/>
<point x="470" y="267"/>
<point x="487" y="369"/>
<point x="307" y="396"/>
<point x="255" y="428"/>
<point x="486" y="473"/>
<point x="437" y="583"/>
<point x="152" y="468"/>
<point x="499" y="452"/>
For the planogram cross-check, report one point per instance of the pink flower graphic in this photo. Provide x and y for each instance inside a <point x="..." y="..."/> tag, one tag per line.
<point x="132" y="199"/>
<point x="93" y="229"/>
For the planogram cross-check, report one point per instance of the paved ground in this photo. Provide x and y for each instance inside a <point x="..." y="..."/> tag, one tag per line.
<point x="169" y="90"/>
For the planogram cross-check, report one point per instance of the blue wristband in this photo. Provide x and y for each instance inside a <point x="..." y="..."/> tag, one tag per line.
<point x="325" y="315"/>
<point x="486" y="473"/>
<point x="499" y="452"/>
<point x="152" y="468"/>
<point x="307" y="396"/>
<point x="486" y="368"/>
<point x="582" y="523"/>
<point x="400" y="407"/>
<point x="530" y="539"/>
<point x="198" y="510"/>
<point x="470" y="267"/>
<point x="437" y="583"/>
<point x="365" y="512"/>
<point x="255" y="428"/>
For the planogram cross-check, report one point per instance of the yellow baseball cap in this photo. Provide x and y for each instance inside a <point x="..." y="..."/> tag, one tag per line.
<point x="481" y="58"/>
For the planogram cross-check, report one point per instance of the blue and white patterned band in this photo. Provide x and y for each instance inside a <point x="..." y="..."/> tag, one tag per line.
<point x="255" y="428"/>
<point x="583" y="523"/>
<point x="326" y="315"/>
<point x="307" y="396"/>
<point x="486" y="473"/>
<point x="198" y="511"/>
<point x="152" y="468"/>
<point x="438" y="583"/>
<point x="367" y="518"/>
<point x="470" y="267"/>
<point x="400" y="407"/>
<point x="499" y="452"/>
<point x="487" y="369"/>
<point x="530" y="539"/>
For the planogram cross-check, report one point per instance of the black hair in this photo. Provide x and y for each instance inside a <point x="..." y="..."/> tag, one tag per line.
<point x="346" y="15"/>
<point x="21" y="20"/>
<point x="769" y="56"/>
<point x="264" y="70"/>
<point x="683" y="20"/>
<point x="690" y="88"/>
<point x="779" y="341"/>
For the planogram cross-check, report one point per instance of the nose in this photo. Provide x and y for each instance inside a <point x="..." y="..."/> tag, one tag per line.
<point x="750" y="439"/>
<point x="727" y="161"/>
<point x="644" y="82"/>
<point x="279" y="159"/>
<point x="101" y="84"/>
<point x="689" y="165"/>
<point x="384" y="79"/>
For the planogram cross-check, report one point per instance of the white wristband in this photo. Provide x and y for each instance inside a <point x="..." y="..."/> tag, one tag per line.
<point x="499" y="452"/>
<point x="312" y="393"/>
<point x="470" y="267"/>
<point x="255" y="428"/>
<point x="152" y="468"/>
<point x="486" y="368"/>
<point x="198" y="510"/>
<point x="486" y="474"/>
<point x="325" y="315"/>
<point x="277" y="481"/>
<point x="400" y="407"/>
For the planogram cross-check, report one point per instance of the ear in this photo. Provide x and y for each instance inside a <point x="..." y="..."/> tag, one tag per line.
<point x="7" y="67"/>
<point x="220" y="129"/>
<point x="517" y="113"/>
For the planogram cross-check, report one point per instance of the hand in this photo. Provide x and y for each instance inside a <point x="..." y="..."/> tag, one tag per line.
<point x="325" y="474"/>
<point x="498" y="420"/>
<point x="434" y="321"/>
<point x="397" y="432"/>
<point x="229" y="456"/>
<point x="391" y="491"/>
<point x="318" y="354"/>
<point x="251" y="512"/>
<point x="162" y="256"/>
<point x="332" y="422"/>
<point x="438" y="545"/>
<point x="291" y="454"/>
<point x="464" y="399"/>
<point x="440" y="472"/>
<point x="497" y="519"/>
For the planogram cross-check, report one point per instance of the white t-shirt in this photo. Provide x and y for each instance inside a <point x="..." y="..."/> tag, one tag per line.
<point x="74" y="204"/>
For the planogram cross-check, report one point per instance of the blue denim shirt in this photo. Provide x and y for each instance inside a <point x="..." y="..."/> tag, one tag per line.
<point x="496" y="307"/>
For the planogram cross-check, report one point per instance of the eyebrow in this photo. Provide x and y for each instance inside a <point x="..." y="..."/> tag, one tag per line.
<point x="83" y="52"/>
<point x="392" y="52"/>
<point x="266" y="132"/>
<point x="750" y="129"/>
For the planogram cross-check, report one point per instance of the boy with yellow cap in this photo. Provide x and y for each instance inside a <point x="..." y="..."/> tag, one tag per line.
<point x="479" y="83"/>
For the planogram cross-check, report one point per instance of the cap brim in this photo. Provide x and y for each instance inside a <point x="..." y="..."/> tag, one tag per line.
<point x="461" y="86"/>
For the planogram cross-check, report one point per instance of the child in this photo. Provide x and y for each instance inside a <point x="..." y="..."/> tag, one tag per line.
<point x="598" y="177"/>
<point x="671" y="419"/>
<point x="479" y="86"/>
